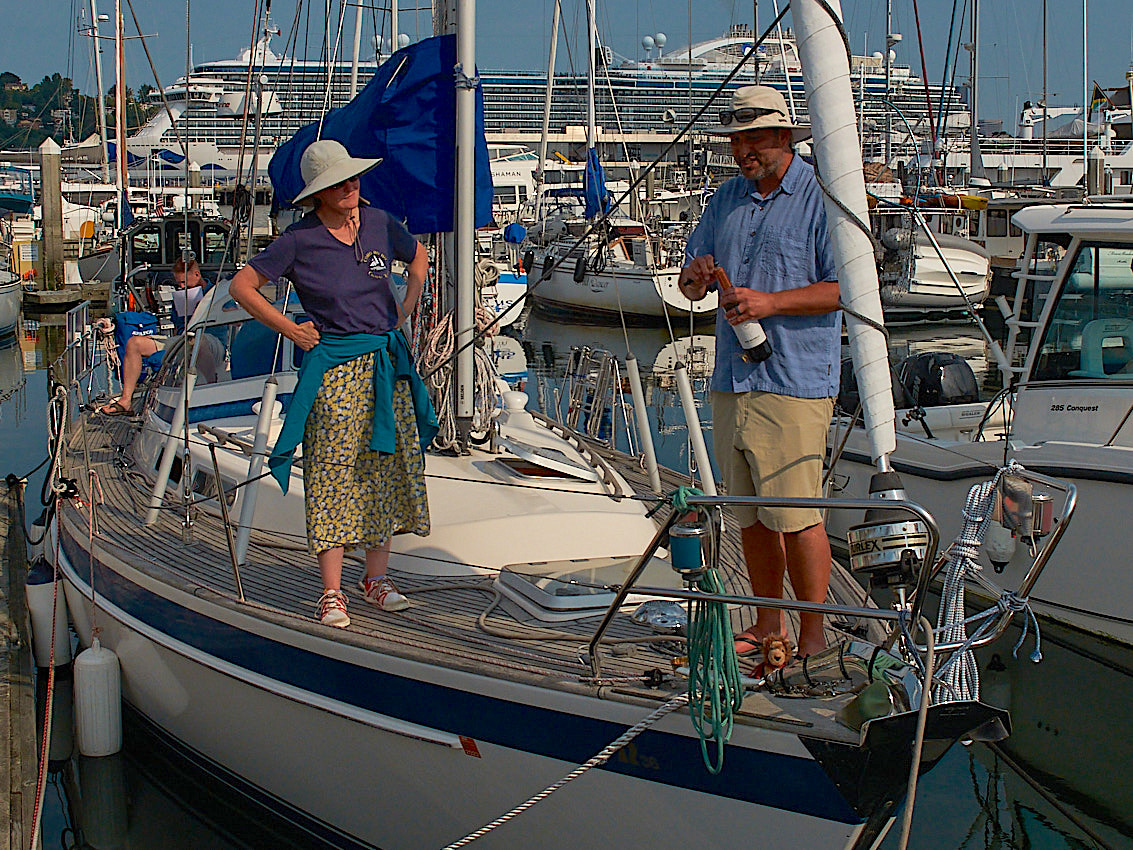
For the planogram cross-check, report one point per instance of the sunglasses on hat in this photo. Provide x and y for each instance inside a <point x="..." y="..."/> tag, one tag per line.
<point x="745" y="114"/>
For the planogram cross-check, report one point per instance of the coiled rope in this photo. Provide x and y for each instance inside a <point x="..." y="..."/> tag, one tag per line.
<point x="436" y="367"/>
<point x="959" y="676"/>
<point x="715" y="691"/>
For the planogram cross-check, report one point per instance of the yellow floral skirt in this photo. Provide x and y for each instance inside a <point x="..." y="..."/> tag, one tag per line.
<point x="355" y="497"/>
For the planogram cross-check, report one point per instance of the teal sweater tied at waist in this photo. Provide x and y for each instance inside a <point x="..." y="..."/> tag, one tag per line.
<point x="334" y="350"/>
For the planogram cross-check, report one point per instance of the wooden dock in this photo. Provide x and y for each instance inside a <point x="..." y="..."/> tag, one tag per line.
<point x="17" y="690"/>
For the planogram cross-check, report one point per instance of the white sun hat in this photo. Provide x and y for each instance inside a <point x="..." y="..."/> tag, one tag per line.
<point x="758" y="108"/>
<point x="326" y="163"/>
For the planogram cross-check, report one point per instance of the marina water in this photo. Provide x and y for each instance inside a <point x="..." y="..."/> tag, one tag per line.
<point x="1058" y="782"/>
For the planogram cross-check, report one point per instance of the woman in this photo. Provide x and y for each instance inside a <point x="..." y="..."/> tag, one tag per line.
<point x="359" y="407"/>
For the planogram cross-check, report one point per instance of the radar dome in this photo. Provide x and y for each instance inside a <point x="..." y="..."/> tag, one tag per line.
<point x="402" y="40"/>
<point x="661" y="39"/>
<point x="878" y="55"/>
<point x="647" y="42"/>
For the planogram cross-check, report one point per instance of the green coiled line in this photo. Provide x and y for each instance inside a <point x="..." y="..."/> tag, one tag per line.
<point x="715" y="692"/>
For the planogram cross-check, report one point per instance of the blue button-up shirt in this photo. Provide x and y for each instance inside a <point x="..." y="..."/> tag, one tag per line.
<point x="772" y="244"/>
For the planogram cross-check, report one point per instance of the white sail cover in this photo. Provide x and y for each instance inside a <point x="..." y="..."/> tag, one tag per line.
<point x="838" y="152"/>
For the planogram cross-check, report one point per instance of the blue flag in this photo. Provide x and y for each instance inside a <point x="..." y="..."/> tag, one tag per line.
<point x="407" y="115"/>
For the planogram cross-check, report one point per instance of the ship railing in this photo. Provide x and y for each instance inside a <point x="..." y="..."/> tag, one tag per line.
<point x="905" y="613"/>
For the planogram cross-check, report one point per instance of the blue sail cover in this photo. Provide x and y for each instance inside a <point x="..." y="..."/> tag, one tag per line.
<point x="407" y="115"/>
<point x="597" y="198"/>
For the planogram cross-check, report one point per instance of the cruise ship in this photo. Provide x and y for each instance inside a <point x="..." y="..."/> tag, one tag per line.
<point x="650" y="99"/>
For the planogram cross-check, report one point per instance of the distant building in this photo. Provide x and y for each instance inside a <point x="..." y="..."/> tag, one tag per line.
<point x="9" y="116"/>
<point x="31" y="124"/>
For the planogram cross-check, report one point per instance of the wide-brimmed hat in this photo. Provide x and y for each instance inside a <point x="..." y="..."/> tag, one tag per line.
<point x="758" y="108"/>
<point x="327" y="163"/>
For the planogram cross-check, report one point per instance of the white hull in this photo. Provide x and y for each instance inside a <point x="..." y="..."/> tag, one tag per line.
<point x="238" y="716"/>
<point x="931" y="287"/>
<point x="633" y="292"/>
<point x="11" y="297"/>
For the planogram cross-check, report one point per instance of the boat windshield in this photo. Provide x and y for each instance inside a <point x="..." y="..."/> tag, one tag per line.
<point x="1090" y="330"/>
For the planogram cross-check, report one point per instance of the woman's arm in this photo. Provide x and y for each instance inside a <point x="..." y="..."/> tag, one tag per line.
<point x="415" y="273"/>
<point x="245" y="288"/>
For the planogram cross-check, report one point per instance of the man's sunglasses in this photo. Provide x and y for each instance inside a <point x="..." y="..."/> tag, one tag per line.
<point x="745" y="114"/>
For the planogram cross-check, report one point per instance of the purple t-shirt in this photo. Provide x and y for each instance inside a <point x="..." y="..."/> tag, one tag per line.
<point x="340" y="292"/>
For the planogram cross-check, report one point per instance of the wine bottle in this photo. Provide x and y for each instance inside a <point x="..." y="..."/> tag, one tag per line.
<point x="753" y="340"/>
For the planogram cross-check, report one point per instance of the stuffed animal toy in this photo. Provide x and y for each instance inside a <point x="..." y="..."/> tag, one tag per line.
<point x="777" y="652"/>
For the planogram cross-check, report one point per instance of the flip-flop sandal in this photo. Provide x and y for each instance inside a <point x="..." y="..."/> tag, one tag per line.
<point x="115" y="408"/>
<point x="754" y="646"/>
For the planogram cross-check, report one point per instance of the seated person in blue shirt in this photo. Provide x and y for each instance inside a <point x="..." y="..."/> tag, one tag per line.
<point x="766" y="228"/>
<point x="147" y="351"/>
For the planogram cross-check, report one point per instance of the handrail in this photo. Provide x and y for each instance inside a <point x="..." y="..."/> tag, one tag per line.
<point x="765" y="501"/>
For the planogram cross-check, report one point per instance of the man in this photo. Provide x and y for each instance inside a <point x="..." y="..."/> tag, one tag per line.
<point x="146" y="350"/>
<point x="766" y="228"/>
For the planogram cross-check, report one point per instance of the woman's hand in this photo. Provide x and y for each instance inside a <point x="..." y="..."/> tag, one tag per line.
<point x="306" y="335"/>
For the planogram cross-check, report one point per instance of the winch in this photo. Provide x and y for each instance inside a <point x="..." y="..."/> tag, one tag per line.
<point x="888" y="546"/>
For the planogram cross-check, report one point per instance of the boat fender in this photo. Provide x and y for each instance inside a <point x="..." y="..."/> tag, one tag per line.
<point x="580" y="270"/>
<point x="98" y="701"/>
<point x="40" y="593"/>
<point x="527" y="264"/>
<point x="999" y="545"/>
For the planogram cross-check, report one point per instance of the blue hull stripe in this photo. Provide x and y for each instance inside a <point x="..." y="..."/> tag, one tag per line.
<point x="769" y="779"/>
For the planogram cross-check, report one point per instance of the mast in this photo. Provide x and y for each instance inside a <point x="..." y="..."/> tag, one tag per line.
<point x="101" y="93"/>
<point x="121" y="177"/>
<point x="591" y="38"/>
<point x="354" y="53"/>
<point x="541" y="166"/>
<point x="464" y="223"/>
<point x="1043" y="181"/>
<point x="888" y="107"/>
<point x="975" y="163"/>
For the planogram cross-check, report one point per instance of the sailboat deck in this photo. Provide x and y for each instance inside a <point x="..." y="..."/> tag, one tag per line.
<point x="462" y="623"/>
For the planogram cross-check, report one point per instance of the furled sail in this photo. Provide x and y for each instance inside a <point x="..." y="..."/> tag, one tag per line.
<point x="406" y="114"/>
<point x="838" y="153"/>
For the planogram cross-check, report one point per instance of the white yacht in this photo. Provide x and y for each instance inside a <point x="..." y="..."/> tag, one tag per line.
<point x="1067" y="415"/>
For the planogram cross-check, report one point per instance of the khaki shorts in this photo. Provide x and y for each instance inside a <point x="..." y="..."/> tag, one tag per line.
<point x="771" y="445"/>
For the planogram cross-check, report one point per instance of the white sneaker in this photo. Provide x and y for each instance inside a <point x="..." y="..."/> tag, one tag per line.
<point x="383" y="593"/>
<point x="332" y="609"/>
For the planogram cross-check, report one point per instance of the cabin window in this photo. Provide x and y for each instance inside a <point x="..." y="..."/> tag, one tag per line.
<point x="178" y="240"/>
<point x="204" y="485"/>
<point x="215" y="239"/>
<point x="996" y="223"/>
<point x="145" y="246"/>
<point x="1089" y="334"/>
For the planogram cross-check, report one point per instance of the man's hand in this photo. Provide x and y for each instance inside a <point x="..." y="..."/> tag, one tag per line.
<point x="741" y="304"/>
<point x="696" y="277"/>
<point x="306" y="335"/>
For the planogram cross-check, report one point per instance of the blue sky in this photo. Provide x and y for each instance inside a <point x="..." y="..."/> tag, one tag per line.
<point x="514" y="33"/>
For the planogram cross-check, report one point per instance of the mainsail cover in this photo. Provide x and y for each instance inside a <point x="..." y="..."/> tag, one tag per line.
<point x="406" y="114"/>
<point x="597" y="196"/>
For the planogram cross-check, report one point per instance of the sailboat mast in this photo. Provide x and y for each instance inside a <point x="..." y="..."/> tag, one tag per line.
<point x="465" y="227"/>
<point x="1043" y="181"/>
<point x="540" y="168"/>
<point x="591" y="38"/>
<point x="121" y="178"/>
<point x="974" y="166"/>
<point x="101" y="92"/>
<point x="354" y="52"/>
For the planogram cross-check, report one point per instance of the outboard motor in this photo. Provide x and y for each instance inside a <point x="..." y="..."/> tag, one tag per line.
<point x="936" y="378"/>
